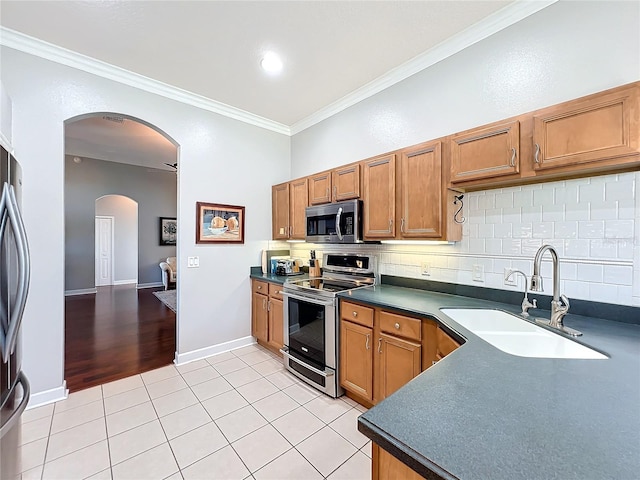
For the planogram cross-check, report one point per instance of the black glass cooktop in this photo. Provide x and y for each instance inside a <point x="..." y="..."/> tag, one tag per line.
<point x="327" y="286"/>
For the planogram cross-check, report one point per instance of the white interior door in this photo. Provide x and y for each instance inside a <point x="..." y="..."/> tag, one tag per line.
<point x="104" y="251"/>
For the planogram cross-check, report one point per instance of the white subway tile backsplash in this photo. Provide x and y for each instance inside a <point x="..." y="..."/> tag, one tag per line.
<point x="593" y="192"/>
<point x="543" y="197"/>
<point x="542" y="230"/>
<point x="618" y="275"/>
<point x="591" y="229"/>
<point x="619" y="187"/>
<point x="523" y="198"/>
<point x="618" y="229"/>
<point x="577" y="248"/>
<point x="594" y="224"/>
<point x="590" y="273"/>
<point x="603" y="248"/>
<point x="531" y="214"/>
<point x="566" y="230"/>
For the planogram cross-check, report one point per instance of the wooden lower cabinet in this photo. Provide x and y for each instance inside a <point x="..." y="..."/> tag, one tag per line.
<point x="259" y="316"/>
<point x="380" y="351"/>
<point x="356" y="359"/>
<point x="385" y="466"/>
<point x="400" y="361"/>
<point x="276" y="323"/>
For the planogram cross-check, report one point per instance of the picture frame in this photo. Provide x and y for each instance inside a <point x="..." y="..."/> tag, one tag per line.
<point x="168" y="231"/>
<point x="219" y="223"/>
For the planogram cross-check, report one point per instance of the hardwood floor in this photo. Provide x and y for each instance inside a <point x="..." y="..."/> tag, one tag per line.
<point x="118" y="332"/>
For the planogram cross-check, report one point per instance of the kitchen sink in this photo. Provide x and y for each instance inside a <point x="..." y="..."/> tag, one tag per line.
<point x="516" y="336"/>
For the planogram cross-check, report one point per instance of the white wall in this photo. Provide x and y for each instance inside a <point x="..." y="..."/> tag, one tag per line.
<point x="214" y="299"/>
<point x="125" y="235"/>
<point x="565" y="51"/>
<point x="5" y="118"/>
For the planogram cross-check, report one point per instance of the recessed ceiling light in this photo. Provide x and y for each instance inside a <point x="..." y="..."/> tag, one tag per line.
<point x="271" y="63"/>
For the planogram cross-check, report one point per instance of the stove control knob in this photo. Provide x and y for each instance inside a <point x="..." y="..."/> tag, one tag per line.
<point x="355" y="314"/>
<point x="397" y="325"/>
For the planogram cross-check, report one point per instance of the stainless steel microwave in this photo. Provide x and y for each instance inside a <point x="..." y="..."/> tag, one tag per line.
<point x="335" y="222"/>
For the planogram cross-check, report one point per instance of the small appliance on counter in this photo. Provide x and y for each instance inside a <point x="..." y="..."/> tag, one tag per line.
<point x="267" y="256"/>
<point x="288" y="266"/>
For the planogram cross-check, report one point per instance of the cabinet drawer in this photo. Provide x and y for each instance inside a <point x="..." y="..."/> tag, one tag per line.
<point x="446" y="344"/>
<point x="275" y="290"/>
<point x="356" y="313"/>
<point x="400" y="325"/>
<point x="258" y="286"/>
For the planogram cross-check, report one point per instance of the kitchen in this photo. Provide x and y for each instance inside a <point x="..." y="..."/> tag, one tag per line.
<point x="519" y="69"/>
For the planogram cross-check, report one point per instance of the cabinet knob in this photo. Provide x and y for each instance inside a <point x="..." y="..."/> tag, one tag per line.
<point x="397" y="325"/>
<point x="259" y="287"/>
<point x="354" y="313"/>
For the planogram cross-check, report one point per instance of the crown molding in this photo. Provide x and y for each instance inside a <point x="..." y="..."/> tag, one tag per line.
<point x="24" y="43"/>
<point x="490" y="25"/>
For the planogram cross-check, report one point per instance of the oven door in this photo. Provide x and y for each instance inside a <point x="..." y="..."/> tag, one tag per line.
<point x="310" y="340"/>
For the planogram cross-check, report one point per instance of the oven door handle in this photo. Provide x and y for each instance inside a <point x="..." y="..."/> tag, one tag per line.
<point x="303" y="298"/>
<point x="285" y="351"/>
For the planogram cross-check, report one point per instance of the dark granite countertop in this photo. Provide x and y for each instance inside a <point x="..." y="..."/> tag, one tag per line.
<point x="481" y="413"/>
<point x="256" y="272"/>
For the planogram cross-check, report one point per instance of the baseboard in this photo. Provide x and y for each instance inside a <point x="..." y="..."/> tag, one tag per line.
<point x="82" y="291"/>
<point x="182" y="358"/>
<point x="48" y="396"/>
<point x="125" y="282"/>
<point x="149" y="285"/>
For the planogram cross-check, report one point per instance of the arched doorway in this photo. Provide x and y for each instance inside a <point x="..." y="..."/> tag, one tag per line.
<point x="120" y="179"/>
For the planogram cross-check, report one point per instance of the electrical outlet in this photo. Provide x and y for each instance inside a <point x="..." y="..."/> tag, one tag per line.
<point x="513" y="280"/>
<point x="425" y="269"/>
<point x="477" y="274"/>
<point x="193" y="262"/>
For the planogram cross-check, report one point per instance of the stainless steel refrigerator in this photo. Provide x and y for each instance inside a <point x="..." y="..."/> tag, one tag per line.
<point x="14" y="286"/>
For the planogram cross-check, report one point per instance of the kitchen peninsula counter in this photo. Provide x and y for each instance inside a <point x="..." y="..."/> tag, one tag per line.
<point x="481" y="413"/>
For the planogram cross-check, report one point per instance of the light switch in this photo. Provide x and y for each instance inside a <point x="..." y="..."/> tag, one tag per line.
<point x="193" y="262"/>
<point x="477" y="273"/>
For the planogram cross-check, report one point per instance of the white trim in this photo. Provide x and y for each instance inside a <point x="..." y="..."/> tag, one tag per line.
<point x="182" y="358"/>
<point x="81" y="291"/>
<point x="125" y="282"/>
<point x="48" y="396"/>
<point x="149" y="285"/>
<point x="490" y="25"/>
<point x="6" y="144"/>
<point x="39" y="48"/>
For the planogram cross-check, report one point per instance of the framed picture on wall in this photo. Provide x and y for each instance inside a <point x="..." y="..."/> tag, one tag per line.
<point x="217" y="223"/>
<point x="168" y="231"/>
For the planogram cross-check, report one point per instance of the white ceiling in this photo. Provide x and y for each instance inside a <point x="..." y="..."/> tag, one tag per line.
<point x="207" y="52"/>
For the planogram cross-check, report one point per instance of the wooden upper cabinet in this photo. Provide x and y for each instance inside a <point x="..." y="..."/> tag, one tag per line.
<point x="320" y="188"/>
<point x="421" y="194"/>
<point x="298" y="202"/>
<point x="486" y="152"/>
<point x="379" y="197"/>
<point x="346" y="182"/>
<point x="280" y="211"/>
<point x="599" y="128"/>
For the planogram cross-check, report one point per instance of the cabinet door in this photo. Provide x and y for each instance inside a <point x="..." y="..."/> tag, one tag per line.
<point x="276" y="326"/>
<point x="400" y="361"/>
<point x="387" y="467"/>
<point x="356" y="359"/>
<point x="486" y="152"/>
<point x="299" y="201"/>
<point x="280" y="211"/>
<point x="588" y="131"/>
<point x="346" y="183"/>
<point x="421" y="192"/>
<point x="380" y="197"/>
<point x="320" y="188"/>
<point x="259" y="316"/>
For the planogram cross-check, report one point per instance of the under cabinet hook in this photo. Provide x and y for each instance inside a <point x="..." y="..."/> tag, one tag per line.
<point x="458" y="198"/>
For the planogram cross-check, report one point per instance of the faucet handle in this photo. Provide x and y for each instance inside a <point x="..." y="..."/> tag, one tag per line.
<point x="565" y="301"/>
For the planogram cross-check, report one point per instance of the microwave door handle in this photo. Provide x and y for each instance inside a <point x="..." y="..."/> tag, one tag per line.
<point x="23" y="272"/>
<point x="338" y="219"/>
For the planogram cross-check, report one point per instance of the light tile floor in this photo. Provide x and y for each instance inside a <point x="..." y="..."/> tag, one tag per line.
<point x="236" y="415"/>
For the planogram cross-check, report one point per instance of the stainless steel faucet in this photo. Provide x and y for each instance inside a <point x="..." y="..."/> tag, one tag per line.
<point x="526" y="304"/>
<point x="558" y="308"/>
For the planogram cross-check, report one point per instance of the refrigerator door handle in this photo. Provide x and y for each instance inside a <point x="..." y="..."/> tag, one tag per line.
<point x="4" y="311"/>
<point x="11" y="205"/>
<point x="15" y="416"/>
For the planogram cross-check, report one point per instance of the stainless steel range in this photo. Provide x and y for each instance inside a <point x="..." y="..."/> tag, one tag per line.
<point x="311" y="342"/>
